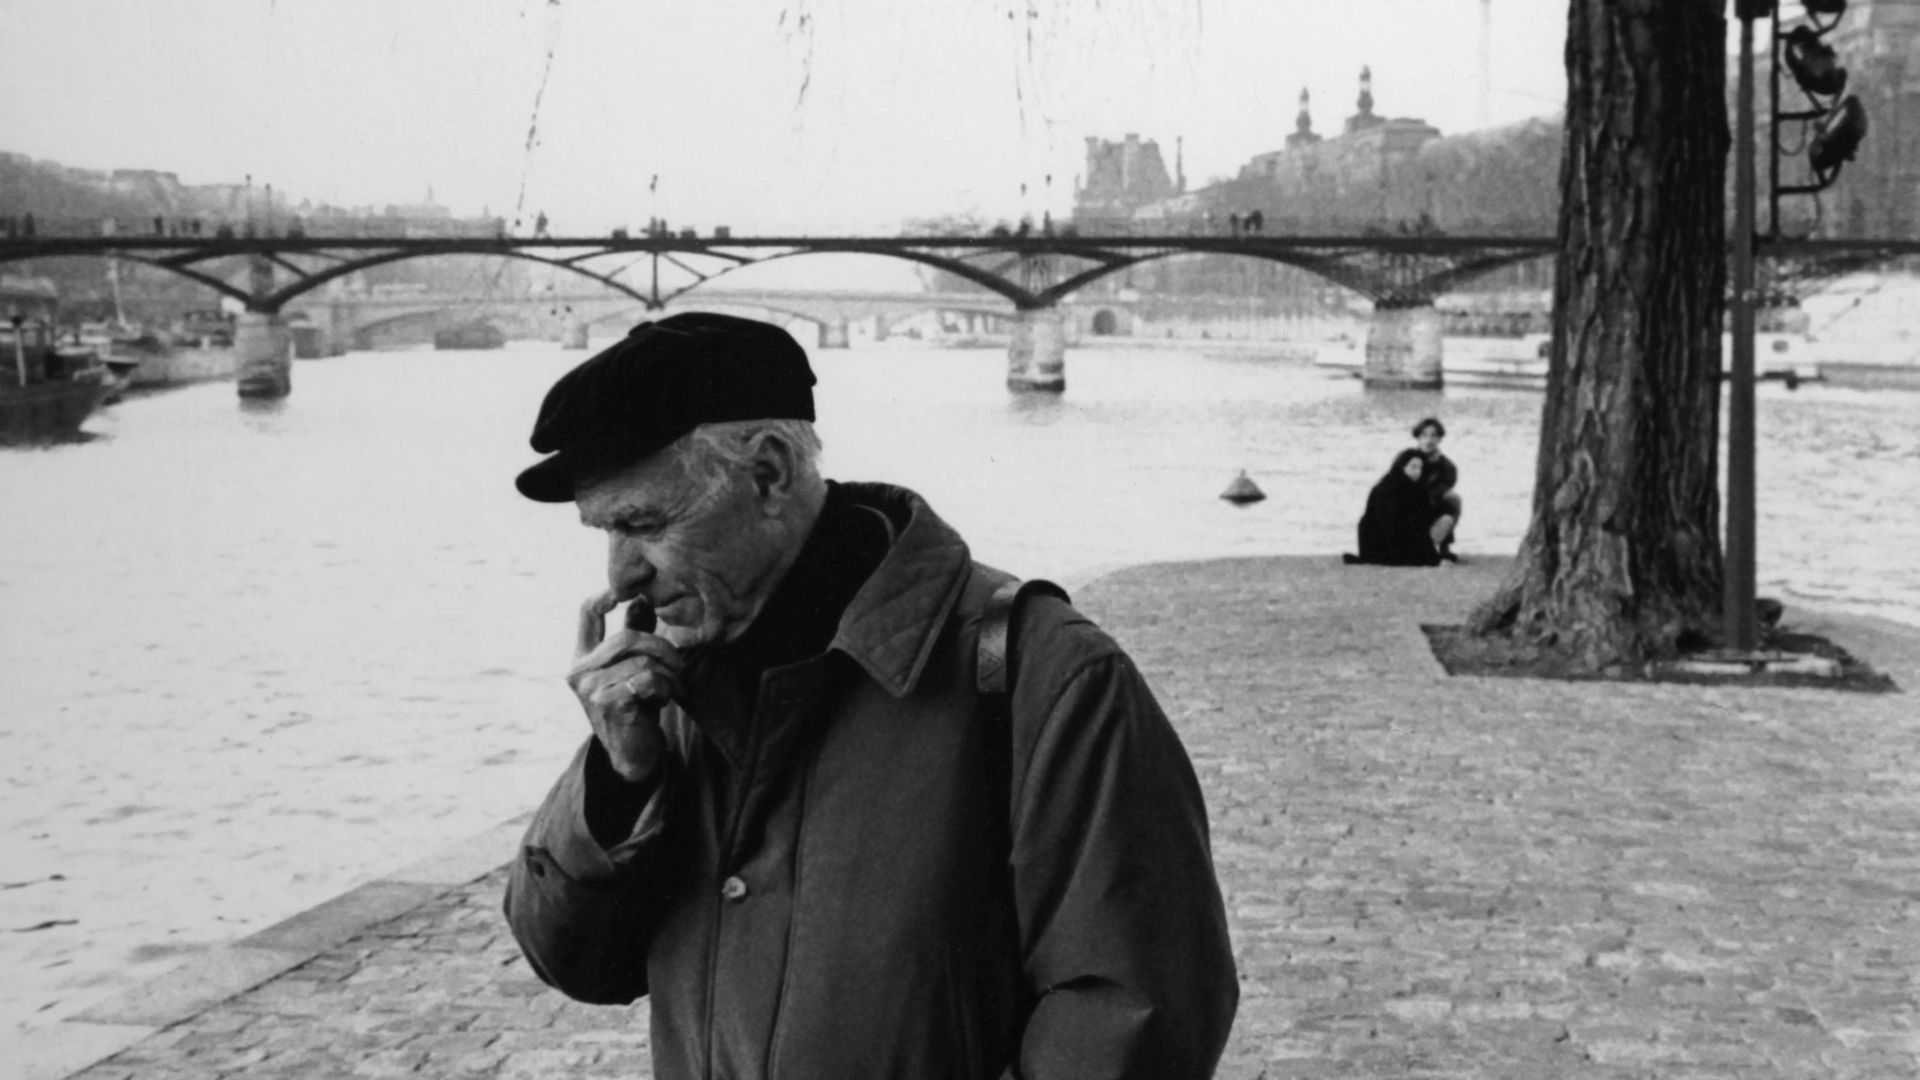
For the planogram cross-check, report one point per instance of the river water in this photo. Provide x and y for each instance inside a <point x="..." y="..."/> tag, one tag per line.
<point x="252" y="658"/>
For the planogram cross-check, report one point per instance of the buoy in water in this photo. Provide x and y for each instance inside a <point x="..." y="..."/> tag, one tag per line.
<point x="1243" y="490"/>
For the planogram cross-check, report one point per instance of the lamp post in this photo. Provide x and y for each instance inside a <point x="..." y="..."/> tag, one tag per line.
<point x="1738" y="605"/>
<point x="1839" y="126"/>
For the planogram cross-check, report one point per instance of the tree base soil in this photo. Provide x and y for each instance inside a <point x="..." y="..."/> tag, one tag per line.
<point x="1784" y="658"/>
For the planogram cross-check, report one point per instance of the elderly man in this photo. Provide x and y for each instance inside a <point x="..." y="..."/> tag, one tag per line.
<point x="799" y="827"/>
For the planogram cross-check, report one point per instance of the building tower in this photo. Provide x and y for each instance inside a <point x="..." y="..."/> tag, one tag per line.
<point x="1364" y="118"/>
<point x="1303" y="135"/>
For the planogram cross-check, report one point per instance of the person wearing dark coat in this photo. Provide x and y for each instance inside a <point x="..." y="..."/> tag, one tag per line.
<point x="799" y="828"/>
<point x="1438" y="476"/>
<point x="1395" y="530"/>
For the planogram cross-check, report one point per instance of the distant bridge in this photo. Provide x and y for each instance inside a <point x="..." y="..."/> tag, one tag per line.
<point x="1402" y="274"/>
<point x="1029" y="272"/>
<point x="361" y="319"/>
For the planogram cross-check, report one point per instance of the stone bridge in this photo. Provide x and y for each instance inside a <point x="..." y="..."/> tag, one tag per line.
<point x="1035" y="275"/>
<point x="360" y="321"/>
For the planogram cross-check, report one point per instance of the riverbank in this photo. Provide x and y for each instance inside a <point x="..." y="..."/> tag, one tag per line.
<point x="257" y="657"/>
<point x="1424" y="875"/>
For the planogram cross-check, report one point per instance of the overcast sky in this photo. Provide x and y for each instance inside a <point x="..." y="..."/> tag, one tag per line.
<point x="769" y="115"/>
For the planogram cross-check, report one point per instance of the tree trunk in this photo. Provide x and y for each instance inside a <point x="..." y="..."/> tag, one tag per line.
<point x="1622" y="556"/>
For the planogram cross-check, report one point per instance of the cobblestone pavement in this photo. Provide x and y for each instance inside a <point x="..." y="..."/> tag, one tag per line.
<point x="1427" y="877"/>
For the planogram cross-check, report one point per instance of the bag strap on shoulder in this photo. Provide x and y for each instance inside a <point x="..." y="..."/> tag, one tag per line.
<point x="993" y="670"/>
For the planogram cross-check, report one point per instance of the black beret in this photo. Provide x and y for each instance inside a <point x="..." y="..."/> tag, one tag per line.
<point x="659" y="382"/>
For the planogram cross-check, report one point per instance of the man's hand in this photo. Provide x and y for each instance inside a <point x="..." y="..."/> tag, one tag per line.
<point x="622" y="682"/>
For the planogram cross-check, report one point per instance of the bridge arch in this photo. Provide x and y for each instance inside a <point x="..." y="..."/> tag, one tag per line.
<point x="1354" y="278"/>
<point x="1021" y="298"/>
<point x="1350" y="279"/>
<point x="746" y="305"/>
<point x="311" y="280"/>
<point x="1335" y="261"/>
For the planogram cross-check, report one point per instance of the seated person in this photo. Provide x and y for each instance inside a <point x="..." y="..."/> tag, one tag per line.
<point x="1438" y="478"/>
<point x="1395" y="530"/>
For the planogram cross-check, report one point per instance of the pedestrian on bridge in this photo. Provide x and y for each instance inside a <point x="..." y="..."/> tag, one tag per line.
<point x="809" y="825"/>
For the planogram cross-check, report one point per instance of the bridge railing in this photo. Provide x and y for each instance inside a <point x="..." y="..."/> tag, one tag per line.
<point x="193" y="227"/>
<point x="198" y="227"/>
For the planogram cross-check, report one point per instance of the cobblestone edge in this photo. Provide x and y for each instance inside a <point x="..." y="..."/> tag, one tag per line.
<point x="110" y="1026"/>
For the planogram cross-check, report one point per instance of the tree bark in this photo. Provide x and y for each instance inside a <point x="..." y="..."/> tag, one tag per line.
<point x="1622" y="556"/>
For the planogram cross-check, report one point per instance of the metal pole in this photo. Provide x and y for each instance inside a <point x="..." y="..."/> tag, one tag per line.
<point x="19" y="350"/>
<point x="1773" y="129"/>
<point x="1738" y="606"/>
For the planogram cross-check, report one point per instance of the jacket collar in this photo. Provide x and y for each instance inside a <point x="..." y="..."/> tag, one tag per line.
<point x="895" y="619"/>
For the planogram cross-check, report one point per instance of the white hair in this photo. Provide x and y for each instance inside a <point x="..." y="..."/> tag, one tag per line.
<point x="710" y="452"/>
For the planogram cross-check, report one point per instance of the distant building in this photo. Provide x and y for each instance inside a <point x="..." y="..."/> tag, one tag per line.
<point x="1303" y="135"/>
<point x="97" y="179"/>
<point x="1378" y="172"/>
<point x="142" y="202"/>
<point x="1121" y="178"/>
<point x="1364" y="119"/>
<point x="420" y="211"/>
<point x="160" y="190"/>
<point x="1367" y="175"/>
<point x="1352" y="177"/>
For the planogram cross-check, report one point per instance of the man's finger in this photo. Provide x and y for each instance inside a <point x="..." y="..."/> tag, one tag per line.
<point x="593" y="622"/>
<point x="625" y="644"/>
<point x="652" y="686"/>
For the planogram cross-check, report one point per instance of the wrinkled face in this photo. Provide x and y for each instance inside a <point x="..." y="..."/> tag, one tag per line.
<point x="1413" y="467"/>
<point x="703" y="561"/>
<point x="1428" y="440"/>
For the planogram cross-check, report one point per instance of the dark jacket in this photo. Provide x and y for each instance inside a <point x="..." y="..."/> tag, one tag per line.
<point x="868" y="876"/>
<point x="1438" y="477"/>
<point x="1394" y="529"/>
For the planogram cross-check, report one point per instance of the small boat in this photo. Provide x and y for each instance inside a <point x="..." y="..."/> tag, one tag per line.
<point x="1784" y="356"/>
<point x="159" y="364"/>
<point x="98" y="339"/>
<point x="478" y="334"/>
<point x="1521" y="362"/>
<point x="118" y="377"/>
<point x="206" y="328"/>
<point x="46" y="390"/>
<point x="198" y="349"/>
<point x="1888" y="365"/>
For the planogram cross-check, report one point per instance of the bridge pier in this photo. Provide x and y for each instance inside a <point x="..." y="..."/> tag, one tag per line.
<point x="834" y="334"/>
<point x="263" y="356"/>
<point x="339" y="328"/>
<point x="1403" y="346"/>
<point x="1037" y="351"/>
